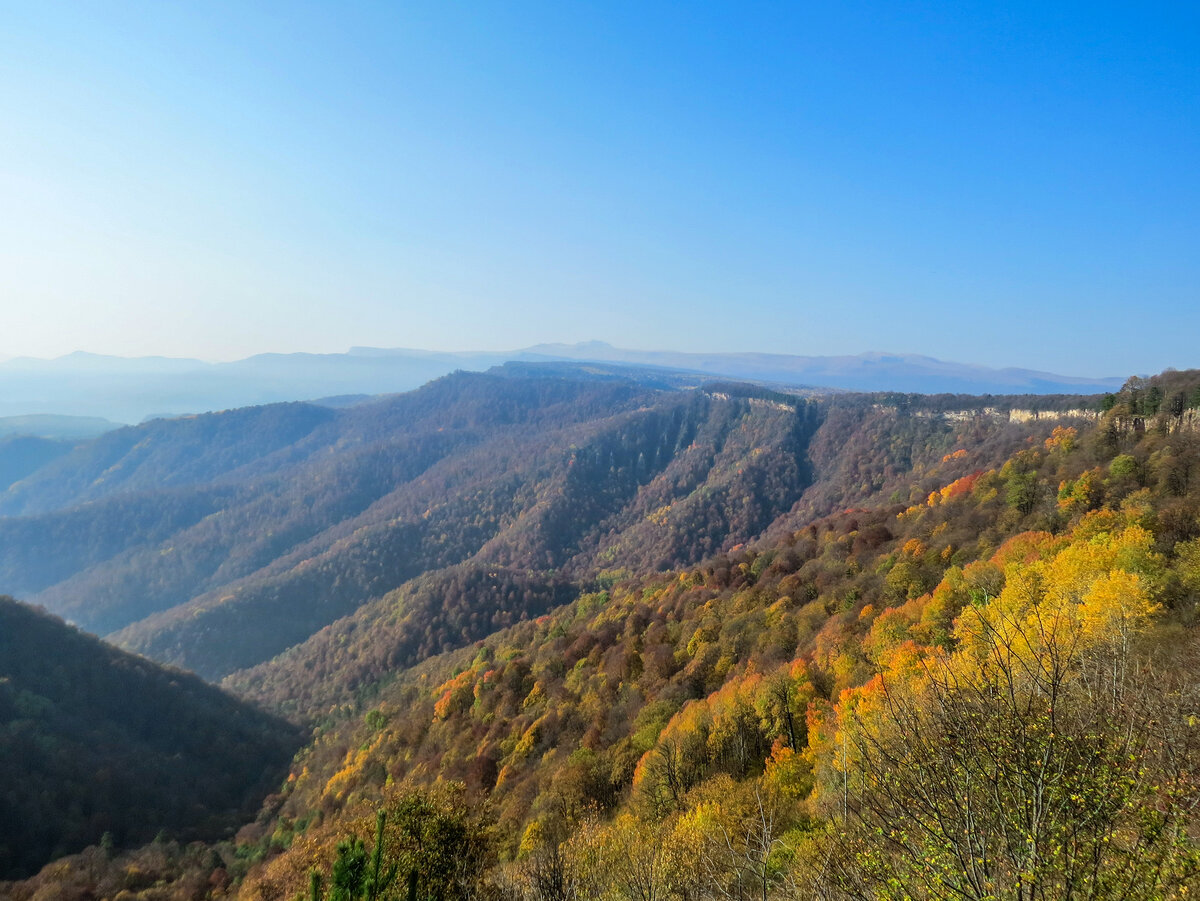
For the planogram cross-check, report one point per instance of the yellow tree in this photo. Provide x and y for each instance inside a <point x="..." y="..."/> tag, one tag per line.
<point x="1031" y="763"/>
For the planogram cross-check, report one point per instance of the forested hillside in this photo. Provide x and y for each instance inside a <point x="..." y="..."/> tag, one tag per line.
<point x="560" y="497"/>
<point x="814" y="710"/>
<point x="251" y="494"/>
<point x="887" y="607"/>
<point x="698" y="504"/>
<point x="217" y="542"/>
<point x="96" y="742"/>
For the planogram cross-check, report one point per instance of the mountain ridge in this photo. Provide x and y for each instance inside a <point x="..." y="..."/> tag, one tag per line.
<point x="217" y="541"/>
<point x="132" y="389"/>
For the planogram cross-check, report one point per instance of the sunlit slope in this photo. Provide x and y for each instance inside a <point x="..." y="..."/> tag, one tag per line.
<point x="676" y="700"/>
<point x="701" y="504"/>
<point x="552" y="502"/>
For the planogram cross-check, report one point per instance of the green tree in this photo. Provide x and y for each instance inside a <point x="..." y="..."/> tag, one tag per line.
<point x="1153" y="400"/>
<point x="438" y="844"/>
<point x="356" y="875"/>
<point x="1022" y="494"/>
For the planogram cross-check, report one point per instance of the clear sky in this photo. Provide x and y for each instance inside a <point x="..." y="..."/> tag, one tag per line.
<point x="1002" y="183"/>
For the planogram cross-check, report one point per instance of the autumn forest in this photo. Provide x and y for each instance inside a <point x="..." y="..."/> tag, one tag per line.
<point x="562" y="632"/>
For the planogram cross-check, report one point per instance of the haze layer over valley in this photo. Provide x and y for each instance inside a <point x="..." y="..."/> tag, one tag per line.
<point x="130" y="390"/>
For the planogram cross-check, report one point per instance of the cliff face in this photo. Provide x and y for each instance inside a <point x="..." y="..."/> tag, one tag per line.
<point x="1018" y="415"/>
<point x="1188" y="422"/>
<point x="1043" y="415"/>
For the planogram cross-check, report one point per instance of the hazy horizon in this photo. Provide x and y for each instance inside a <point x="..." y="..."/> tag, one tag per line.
<point x="504" y="351"/>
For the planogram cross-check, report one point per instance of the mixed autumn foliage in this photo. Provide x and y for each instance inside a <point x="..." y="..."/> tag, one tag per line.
<point x="219" y="541"/>
<point x="973" y="680"/>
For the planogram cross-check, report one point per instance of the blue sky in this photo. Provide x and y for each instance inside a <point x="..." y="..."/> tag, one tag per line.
<point x="1009" y="184"/>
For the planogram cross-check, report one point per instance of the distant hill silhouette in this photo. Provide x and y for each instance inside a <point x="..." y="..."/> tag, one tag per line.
<point x="131" y="389"/>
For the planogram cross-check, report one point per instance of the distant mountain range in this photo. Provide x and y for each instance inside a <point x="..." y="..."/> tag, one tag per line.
<point x="59" y="428"/>
<point x="130" y="390"/>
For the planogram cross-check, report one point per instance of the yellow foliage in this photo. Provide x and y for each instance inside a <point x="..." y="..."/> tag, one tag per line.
<point x="1116" y="606"/>
<point x="1096" y="522"/>
<point x="1072" y="602"/>
<point x="529" y="739"/>
<point x="536" y="695"/>
<point x="340" y="781"/>
<point x="1092" y="592"/>
<point x="849" y="669"/>
<point x="660" y="516"/>
<point x="889" y="630"/>
<point x="1080" y="494"/>
<point x="788" y="773"/>
<point x="533" y="838"/>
